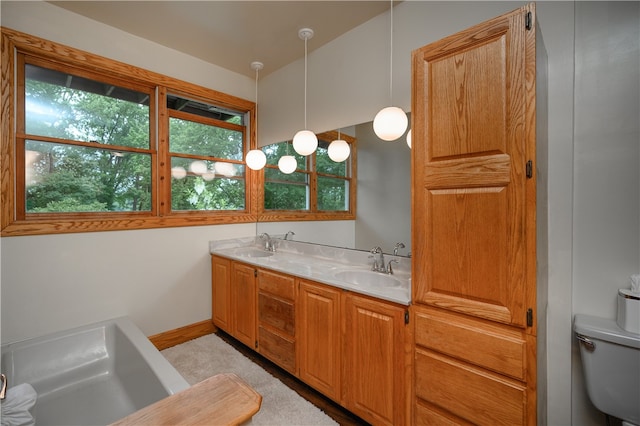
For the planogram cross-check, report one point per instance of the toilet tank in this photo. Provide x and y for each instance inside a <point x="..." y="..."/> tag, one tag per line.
<point x="611" y="366"/>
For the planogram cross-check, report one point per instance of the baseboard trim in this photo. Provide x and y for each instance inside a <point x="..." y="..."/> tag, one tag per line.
<point x="180" y="335"/>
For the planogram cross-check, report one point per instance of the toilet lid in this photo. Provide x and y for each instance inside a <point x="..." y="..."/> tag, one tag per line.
<point x="604" y="329"/>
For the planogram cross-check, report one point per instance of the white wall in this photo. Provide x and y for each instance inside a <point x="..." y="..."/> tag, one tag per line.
<point x="161" y="278"/>
<point x="606" y="225"/>
<point x="556" y="21"/>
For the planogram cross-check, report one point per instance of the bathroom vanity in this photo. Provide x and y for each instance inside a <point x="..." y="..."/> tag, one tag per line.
<point x="320" y="313"/>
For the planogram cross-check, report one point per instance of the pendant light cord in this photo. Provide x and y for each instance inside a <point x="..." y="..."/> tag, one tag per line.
<point x="305" y="82"/>
<point x="391" y="57"/>
<point x="257" y="71"/>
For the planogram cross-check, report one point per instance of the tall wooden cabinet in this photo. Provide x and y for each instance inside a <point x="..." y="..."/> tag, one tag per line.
<point x="474" y="224"/>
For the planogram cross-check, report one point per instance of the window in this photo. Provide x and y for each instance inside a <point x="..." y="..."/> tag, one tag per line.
<point x="206" y="146"/>
<point x="92" y="144"/>
<point x="319" y="188"/>
<point x="86" y="146"/>
<point x="285" y="191"/>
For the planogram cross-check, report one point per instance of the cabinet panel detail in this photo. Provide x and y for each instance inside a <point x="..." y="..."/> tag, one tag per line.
<point x="221" y="292"/>
<point x="278" y="349"/>
<point x="319" y="338"/>
<point x="276" y="313"/>
<point x="277" y="284"/>
<point x="374" y="365"/>
<point x="243" y="298"/>
<point x="474" y="394"/>
<point x="427" y="415"/>
<point x="503" y="347"/>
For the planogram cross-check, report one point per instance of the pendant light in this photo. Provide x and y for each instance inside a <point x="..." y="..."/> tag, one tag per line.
<point x="255" y="158"/>
<point x="305" y="141"/>
<point x="391" y="122"/>
<point x="287" y="163"/>
<point x="339" y="149"/>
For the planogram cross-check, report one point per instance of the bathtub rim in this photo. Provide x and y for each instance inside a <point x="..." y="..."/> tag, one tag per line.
<point x="168" y="376"/>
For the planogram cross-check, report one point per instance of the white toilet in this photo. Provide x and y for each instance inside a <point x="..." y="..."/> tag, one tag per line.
<point x="611" y="366"/>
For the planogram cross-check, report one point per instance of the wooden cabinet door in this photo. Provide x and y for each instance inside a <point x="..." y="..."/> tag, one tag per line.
<point x="474" y="135"/>
<point x="221" y="292"/>
<point x="374" y="367"/>
<point x="243" y="298"/>
<point x="319" y="337"/>
<point x="470" y="170"/>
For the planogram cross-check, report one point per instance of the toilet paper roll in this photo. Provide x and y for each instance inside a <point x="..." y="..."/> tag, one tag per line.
<point x="635" y="283"/>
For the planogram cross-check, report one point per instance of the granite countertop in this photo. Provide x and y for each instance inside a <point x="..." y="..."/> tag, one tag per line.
<point x="338" y="267"/>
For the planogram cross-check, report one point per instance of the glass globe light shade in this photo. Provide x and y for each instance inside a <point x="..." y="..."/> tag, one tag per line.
<point x="256" y="159"/>
<point x="287" y="164"/>
<point x="305" y="142"/>
<point x="339" y="150"/>
<point x="198" y="167"/>
<point x="178" y="172"/>
<point x="209" y="175"/>
<point x="409" y="138"/>
<point x="225" y="169"/>
<point x="390" y="123"/>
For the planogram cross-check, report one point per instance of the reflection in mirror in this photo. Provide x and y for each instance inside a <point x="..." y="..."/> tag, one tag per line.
<point x="383" y="213"/>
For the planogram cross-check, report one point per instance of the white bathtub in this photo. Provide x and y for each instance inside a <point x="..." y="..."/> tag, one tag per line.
<point x="91" y="375"/>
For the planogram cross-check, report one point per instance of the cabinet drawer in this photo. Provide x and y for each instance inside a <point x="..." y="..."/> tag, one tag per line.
<point x="498" y="348"/>
<point x="427" y="415"/>
<point x="480" y="397"/>
<point x="277" y="313"/>
<point x="278" y="349"/>
<point x="277" y="284"/>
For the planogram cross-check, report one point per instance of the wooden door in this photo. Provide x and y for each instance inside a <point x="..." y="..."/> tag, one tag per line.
<point x="221" y="292"/>
<point x="374" y="363"/>
<point x="474" y="223"/>
<point x="319" y="337"/>
<point x="243" y="298"/>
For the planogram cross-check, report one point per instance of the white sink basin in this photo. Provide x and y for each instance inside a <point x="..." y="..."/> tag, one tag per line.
<point x="253" y="252"/>
<point x="368" y="278"/>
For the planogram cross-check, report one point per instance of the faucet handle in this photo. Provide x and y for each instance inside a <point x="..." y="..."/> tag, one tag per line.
<point x="376" y="250"/>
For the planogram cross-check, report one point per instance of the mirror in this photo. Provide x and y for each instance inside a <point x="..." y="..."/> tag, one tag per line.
<point x="383" y="200"/>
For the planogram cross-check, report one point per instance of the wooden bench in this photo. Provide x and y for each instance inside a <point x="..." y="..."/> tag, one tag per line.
<point x="224" y="399"/>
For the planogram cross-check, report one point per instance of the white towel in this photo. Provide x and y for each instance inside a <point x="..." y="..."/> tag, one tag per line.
<point x="16" y="405"/>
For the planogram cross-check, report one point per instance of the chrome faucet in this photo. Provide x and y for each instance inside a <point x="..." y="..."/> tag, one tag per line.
<point x="269" y="244"/>
<point x="398" y="246"/>
<point x="389" y="268"/>
<point x="289" y="233"/>
<point x="378" y="260"/>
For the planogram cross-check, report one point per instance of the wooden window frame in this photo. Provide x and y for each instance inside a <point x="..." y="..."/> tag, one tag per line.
<point x="160" y="216"/>
<point x="313" y="213"/>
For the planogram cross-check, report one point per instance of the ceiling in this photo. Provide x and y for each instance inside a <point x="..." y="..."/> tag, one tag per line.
<point x="232" y="34"/>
